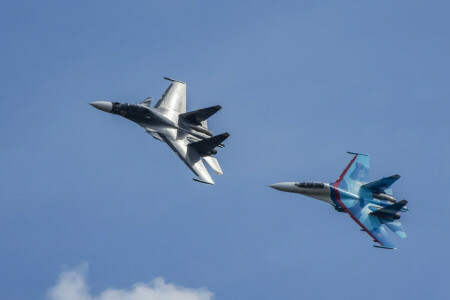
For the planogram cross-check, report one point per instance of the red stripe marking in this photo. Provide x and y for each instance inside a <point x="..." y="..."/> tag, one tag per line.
<point x="345" y="171"/>
<point x="338" y="198"/>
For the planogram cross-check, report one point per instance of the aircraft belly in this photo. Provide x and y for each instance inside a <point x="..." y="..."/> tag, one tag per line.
<point x="170" y="133"/>
<point x="169" y="114"/>
<point x="321" y="194"/>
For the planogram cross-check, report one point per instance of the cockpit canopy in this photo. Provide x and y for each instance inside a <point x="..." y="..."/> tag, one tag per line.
<point x="128" y="108"/>
<point x="310" y="185"/>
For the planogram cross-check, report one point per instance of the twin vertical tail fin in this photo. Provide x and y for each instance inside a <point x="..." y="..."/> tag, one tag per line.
<point x="390" y="211"/>
<point x="207" y="147"/>
<point x="196" y="119"/>
<point x="199" y="115"/>
<point x="389" y="215"/>
<point x="395" y="226"/>
<point x="381" y="185"/>
<point x="382" y="189"/>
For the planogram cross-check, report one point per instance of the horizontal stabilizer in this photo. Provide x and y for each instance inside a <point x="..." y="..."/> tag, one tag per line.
<point x="381" y="185"/>
<point x="389" y="211"/>
<point x="207" y="146"/>
<point x="213" y="163"/>
<point x="395" y="226"/>
<point x="199" y="115"/>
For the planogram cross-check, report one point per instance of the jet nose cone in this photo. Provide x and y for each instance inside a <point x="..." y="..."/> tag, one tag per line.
<point x="102" y="105"/>
<point x="282" y="186"/>
<point x="275" y="186"/>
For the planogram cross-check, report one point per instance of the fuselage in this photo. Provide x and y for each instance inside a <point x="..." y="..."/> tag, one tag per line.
<point x="328" y="193"/>
<point x="154" y="120"/>
<point x="317" y="190"/>
<point x="163" y="122"/>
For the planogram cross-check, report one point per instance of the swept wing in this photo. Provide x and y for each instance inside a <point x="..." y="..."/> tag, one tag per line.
<point x="174" y="98"/>
<point x="355" y="175"/>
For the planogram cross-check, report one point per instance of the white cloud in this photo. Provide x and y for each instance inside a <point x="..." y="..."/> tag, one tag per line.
<point x="72" y="285"/>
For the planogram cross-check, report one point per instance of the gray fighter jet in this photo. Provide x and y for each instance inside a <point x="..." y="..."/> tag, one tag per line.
<point x="186" y="133"/>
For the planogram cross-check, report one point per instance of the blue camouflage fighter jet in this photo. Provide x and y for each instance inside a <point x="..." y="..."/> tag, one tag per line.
<point x="370" y="204"/>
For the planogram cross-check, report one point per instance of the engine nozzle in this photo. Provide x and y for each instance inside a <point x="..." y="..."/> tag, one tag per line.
<point x="383" y="196"/>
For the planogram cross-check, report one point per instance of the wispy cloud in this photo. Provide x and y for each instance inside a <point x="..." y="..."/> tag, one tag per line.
<point x="72" y="285"/>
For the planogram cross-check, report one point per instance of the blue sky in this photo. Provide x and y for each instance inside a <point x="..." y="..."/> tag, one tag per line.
<point x="300" y="83"/>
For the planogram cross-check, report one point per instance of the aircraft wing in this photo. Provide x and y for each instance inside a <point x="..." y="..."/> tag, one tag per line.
<point x="355" y="175"/>
<point x="359" y="211"/>
<point x="174" y="98"/>
<point x="382" y="238"/>
<point x="191" y="158"/>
